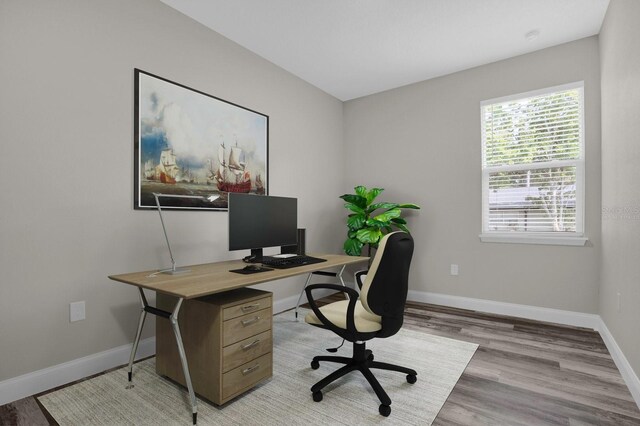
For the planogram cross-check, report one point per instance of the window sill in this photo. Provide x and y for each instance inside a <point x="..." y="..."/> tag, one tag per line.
<point x="534" y="239"/>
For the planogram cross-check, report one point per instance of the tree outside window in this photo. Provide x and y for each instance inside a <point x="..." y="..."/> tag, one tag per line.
<point x="533" y="159"/>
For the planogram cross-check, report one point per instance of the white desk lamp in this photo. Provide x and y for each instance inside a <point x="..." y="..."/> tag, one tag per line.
<point x="157" y="196"/>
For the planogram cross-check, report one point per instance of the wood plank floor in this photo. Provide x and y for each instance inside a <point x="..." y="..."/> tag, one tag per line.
<point x="523" y="373"/>
<point x="527" y="372"/>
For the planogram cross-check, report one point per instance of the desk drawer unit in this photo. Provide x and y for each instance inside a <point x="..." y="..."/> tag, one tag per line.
<point x="245" y="350"/>
<point x="243" y="327"/>
<point x="227" y="338"/>
<point x="239" y="379"/>
<point x="246" y="308"/>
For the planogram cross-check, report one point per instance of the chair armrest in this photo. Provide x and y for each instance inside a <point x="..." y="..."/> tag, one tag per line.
<point x="358" y="275"/>
<point x="353" y="298"/>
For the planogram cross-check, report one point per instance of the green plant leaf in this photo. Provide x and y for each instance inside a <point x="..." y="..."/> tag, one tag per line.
<point x="369" y="235"/>
<point x="377" y="206"/>
<point x="355" y="200"/>
<point x="353" y="247"/>
<point x="356" y="221"/>
<point x="388" y="215"/>
<point x="364" y="230"/>
<point x="354" y="208"/>
<point x="361" y="191"/>
<point x="372" y="194"/>
<point x="409" y="206"/>
<point x="402" y="227"/>
<point x="376" y="223"/>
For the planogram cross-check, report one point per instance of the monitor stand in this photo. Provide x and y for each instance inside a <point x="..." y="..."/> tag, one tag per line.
<point x="255" y="257"/>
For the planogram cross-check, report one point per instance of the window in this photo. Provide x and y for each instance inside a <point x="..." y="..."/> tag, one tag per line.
<point x="533" y="167"/>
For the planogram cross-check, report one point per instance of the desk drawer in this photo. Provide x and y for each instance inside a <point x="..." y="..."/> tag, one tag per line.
<point x="246" y="308"/>
<point x="245" y="350"/>
<point x="245" y="376"/>
<point x="246" y="326"/>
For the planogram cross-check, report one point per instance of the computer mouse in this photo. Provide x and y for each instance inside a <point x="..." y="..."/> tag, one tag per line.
<point x="253" y="267"/>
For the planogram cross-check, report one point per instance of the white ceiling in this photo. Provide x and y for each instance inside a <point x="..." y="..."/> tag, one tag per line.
<point x="353" y="48"/>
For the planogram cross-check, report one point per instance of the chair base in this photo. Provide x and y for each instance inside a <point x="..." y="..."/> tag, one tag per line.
<point x="362" y="361"/>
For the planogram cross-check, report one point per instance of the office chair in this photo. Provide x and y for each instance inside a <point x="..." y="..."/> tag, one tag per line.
<point x="337" y="275"/>
<point x="377" y="313"/>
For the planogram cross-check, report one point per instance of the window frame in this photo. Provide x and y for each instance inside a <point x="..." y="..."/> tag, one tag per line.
<point x="576" y="238"/>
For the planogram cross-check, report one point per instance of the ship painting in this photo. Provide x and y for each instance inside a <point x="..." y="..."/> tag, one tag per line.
<point x="179" y="150"/>
<point x="232" y="174"/>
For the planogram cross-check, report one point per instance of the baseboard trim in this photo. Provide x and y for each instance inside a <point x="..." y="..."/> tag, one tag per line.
<point x="286" y="304"/>
<point x="629" y="376"/>
<point x="290" y="302"/>
<point x="58" y="375"/>
<point x="577" y="319"/>
<point x="61" y="374"/>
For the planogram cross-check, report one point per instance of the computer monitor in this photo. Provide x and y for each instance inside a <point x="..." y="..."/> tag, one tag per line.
<point x="258" y="221"/>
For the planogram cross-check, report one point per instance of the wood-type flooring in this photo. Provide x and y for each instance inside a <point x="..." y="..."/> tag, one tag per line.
<point x="523" y="373"/>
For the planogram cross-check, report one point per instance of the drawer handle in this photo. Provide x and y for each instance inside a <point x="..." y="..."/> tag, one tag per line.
<point x="250" y="321"/>
<point x="250" y="369"/>
<point x="248" y="308"/>
<point x="250" y="345"/>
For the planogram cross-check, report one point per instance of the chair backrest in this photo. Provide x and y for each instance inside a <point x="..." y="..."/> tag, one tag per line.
<point x="384" y="291"/>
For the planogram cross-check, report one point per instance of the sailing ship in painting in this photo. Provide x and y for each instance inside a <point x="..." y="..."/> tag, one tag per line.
<point x="150" y="170"/>
<point x="232" y="174"/>
<point x="259" y="185"/>
<point x="168" y="169"/>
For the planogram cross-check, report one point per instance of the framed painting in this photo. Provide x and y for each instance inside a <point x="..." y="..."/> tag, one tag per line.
<point x="194" y="147"/>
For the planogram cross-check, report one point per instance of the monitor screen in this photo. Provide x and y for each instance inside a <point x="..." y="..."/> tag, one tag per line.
<point x="257" y="221"/>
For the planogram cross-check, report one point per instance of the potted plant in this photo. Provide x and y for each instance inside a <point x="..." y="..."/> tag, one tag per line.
<point x="365" y="225"/>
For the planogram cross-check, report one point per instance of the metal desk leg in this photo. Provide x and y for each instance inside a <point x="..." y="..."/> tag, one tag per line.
<point x="173" y="319"/>
<point x="307" y="283"/>
<point x="340" y="275"/>
<point x="183" y="359"/>
<point x="134" y="349"/>
<point x="300" y="297"/>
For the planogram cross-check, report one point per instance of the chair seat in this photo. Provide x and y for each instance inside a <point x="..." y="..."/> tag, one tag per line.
<point x="336" y="312"/>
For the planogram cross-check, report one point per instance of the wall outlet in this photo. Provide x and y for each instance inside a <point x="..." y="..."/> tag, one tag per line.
<point x="76" y="311"/>
<point x="454" y="269"/>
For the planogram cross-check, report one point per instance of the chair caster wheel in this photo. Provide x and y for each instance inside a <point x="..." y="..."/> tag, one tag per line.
<point x="315" y="365"/>
<point x="317" y="396"/>
<point x="385" y="410"/>
<point x="411" y="378"/>
<point x="369" y="355"/>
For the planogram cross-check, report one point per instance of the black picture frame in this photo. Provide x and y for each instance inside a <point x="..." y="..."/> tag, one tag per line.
<point x="190" y="143"/>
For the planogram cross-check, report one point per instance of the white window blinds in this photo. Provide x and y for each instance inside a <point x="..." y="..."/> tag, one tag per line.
<point x="533" y="163"/>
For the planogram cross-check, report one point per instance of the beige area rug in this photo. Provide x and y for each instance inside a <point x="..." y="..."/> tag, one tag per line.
<point x="285" y="399"/>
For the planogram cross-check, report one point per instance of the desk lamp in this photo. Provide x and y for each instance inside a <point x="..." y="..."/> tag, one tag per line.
<point x="157" y="196"/>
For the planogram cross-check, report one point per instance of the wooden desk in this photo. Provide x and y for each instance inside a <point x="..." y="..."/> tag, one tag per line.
<point x="203" y="280"/>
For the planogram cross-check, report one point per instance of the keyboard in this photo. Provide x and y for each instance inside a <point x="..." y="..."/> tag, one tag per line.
<point x="290" y="262"/>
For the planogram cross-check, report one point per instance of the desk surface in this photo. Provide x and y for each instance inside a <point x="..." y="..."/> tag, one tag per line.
<point x="210" y="278"/>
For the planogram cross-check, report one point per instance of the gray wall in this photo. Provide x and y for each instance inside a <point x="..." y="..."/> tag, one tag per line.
<point x="422" y="143"/>
<point x="620" y="57"/>
<point x="66" y="128"/>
